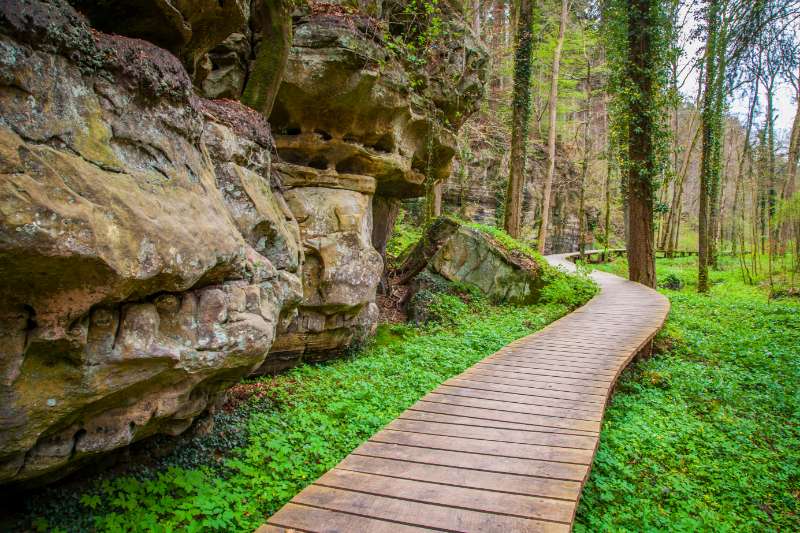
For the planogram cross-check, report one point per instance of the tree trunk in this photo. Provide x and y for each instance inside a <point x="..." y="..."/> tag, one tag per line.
<point x="476" y="18"/>
<point x="275" y="19"/>
<point x="640" y="70"/>
<point x="433" y="201"/>
<point x="744" y="158"/>
<point x="521" y="114"/>
<point x="772" y="197"/>
<point x="607" y="187"/>
<point x="384" y="214"/>
<point x="708" y="172"/>
<point x="718" y="124"/>
<point x="497" y="50"/>
<point x="585" y="163"/>
<point x="551" y="134"/>
<point x="435" y="236"/>
<point x="677" y="194"/>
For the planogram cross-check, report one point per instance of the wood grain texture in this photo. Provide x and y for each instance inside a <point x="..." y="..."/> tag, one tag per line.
<point x="504" y="446"/>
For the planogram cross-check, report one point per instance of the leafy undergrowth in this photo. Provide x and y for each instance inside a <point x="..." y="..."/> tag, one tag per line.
<point x="404" y="236"/>
<point x="706" y="435"/>
<point x="300" y="424"/>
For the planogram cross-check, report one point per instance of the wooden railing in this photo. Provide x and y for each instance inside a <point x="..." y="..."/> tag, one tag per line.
<point x="605" y="255"/>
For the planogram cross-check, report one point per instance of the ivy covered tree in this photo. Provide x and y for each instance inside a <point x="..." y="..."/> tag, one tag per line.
<point x="638" y="37"/>
<point x="521" y="110"/>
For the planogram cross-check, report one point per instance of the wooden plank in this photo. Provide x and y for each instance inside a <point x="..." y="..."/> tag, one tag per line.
<point x="553" y="376"/>
<point x="473" y="383"/>
<point x="464" y="477"/>
<point x="495" y="376"/>
<point x="559" y="355"/>
<point x="496" y="434"/>
<point x="294" y="517"/>
<point x="547" y="356"/>
<point x="419" y="513"/>
<point x="449" y="495"/>
<point x="542" y="423"/>
<point x="568" y="418"/>
<point x="593" y="408"/>
<point x="568" y="370"/>
<point x="541" y="362"/>
<point x="485" y="447"/>
<point x="424" y="416"/>
<point x="486" y="463"/>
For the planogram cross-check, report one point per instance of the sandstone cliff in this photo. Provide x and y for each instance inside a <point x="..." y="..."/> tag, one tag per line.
<point x="156" y="246"/>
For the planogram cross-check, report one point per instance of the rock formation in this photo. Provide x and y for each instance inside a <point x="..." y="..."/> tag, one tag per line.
<point x="352" y="146"/>
<point x="152" y="251"/>
<point x="145" y="258"/>
<point x="469" y="254"/>
<point x="474" y="257"/>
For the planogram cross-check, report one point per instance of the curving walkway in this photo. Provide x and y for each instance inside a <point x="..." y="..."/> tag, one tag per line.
<point x="505" y="446"/>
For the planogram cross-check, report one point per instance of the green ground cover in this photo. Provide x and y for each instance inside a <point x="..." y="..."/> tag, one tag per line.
<point x="705" y="436"/>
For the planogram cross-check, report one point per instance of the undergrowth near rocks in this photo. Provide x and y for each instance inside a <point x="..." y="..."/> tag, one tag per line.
<point x="404" y="236"/>
<point x="705" y="435"/>
<point x="297" y="425"/>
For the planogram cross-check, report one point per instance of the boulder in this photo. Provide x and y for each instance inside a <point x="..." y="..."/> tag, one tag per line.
<point x="472" y="255"/>
<point x="146" y="258"/>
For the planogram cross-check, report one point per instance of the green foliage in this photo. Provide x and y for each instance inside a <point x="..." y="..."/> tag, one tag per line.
<point x="313" y="417"/>
<point x="446" y="308"/>
<point x="404" y="236"/>
<point x="507" y="241"/>
<point x="671" y="281"/>
<point x="788" y="210"/>
<point x="194" y="500"/>
<point x="422" y="25"/>
<point x="569" y="290"/>
<point x="704" y="436"/>
<point x="580" y="37"/>
<point x="439" y="301"/>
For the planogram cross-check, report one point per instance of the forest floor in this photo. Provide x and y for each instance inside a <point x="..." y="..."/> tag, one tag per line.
<point x="278" y="434"/>
<point x="705" y="435"/>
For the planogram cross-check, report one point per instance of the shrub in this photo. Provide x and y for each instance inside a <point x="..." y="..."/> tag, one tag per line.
<point x="672" y="282"/>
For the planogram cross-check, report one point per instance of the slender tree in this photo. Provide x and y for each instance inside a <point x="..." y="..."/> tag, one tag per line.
<point x="712" y="107"/>
<point x="586" y="155"/>
<point x="551" y="134"/>
<point x="521" y="108"/>
<point x="791" y="71"/>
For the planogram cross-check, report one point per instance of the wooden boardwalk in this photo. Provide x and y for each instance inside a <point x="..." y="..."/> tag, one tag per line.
<point x="505" y="446"/>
